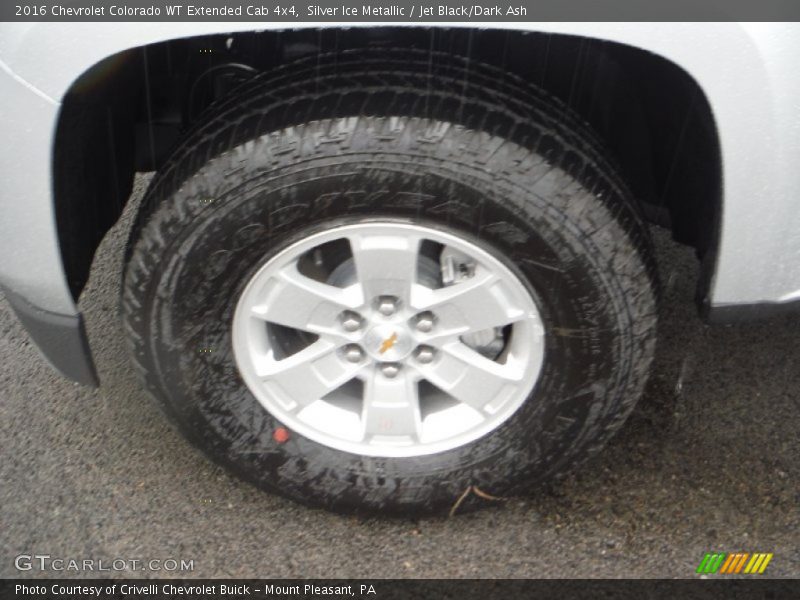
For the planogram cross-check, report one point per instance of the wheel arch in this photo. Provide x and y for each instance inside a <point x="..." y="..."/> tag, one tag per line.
<point x="124" y="113"/>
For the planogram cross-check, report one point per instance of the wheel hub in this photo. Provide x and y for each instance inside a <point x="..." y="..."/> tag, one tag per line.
<point x="370" y="350"/>
<point x="388" y="343"/>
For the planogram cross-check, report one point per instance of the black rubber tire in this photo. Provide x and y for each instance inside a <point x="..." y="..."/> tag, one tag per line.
<point x="476" y="152"/>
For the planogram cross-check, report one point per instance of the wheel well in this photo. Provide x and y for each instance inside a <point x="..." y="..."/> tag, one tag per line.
<point x="126" y="113"/>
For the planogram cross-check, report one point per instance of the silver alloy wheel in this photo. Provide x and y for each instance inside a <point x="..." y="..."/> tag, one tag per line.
<point x="388" y="339"/>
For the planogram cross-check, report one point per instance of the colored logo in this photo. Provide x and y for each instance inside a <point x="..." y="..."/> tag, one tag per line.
<point x="388" y="343"/>
<point x="734" y="563"/>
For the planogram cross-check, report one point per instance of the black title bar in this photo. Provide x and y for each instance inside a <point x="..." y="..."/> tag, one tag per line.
<point x="385" y="589"/>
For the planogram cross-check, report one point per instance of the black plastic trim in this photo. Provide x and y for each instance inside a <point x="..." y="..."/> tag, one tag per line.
<point x="60" y="338"/>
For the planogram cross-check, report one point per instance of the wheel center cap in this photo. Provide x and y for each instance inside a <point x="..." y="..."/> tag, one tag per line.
<point x="388" y="343"/>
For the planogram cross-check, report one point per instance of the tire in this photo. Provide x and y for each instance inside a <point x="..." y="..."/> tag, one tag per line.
<point x="393" y="138"/>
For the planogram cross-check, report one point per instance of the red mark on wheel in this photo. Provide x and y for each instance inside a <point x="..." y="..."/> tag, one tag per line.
<point x="281" y="435"/>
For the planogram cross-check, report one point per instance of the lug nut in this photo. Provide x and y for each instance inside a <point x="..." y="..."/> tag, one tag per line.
<point x="425" y="322"/>
<point x="390" y="370"/>
<point x="353" y="353"/>
<point x="425" y="354"/>
<point x="351" y="321"/>
<point x="387" y="305"/>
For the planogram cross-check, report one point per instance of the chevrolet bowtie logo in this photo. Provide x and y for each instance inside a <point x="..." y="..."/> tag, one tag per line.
<point x="388" y="343"/>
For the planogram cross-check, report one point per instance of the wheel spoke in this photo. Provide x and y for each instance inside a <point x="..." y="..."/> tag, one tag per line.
<point x="293" y="300"/>
<point x="480" y="302"/>
<point x="391" y="407"/>
<point x="307" y="375"/>
<point x="385" y="264"/>
<point x="470" y="377"/>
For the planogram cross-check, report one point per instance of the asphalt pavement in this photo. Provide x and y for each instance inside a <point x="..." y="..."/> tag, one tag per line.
<point x="709" y="461"/>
